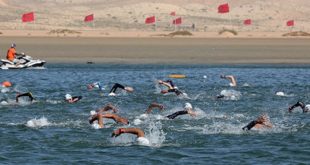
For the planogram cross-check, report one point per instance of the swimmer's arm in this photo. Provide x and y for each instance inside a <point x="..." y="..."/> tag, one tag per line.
<point x="167" y="85"/>
<point x="154" y="105"/>
<point x="192" y="113"/>
<point x="107" y="108"/>
<point x="135" y="131"/>
<point x="232" y="79"/>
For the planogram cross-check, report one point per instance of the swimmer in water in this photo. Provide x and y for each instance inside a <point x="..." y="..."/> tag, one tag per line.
<point x="116" y="85"/>
<point x="261" y="122"/>
<point x="305" y="108"/>
<point x="152" y="106"/>
<point x="171" y="88"/>
<point x="70" y="99"/>
<point x="99" y="117"/>
<point x="28" y="94"/>
<point x="136" y="131"/>
<point x="233" y="82"/>
<point x="188" y="109"/>
<point x="95" y="85"/>
<point x="107" y="108"/>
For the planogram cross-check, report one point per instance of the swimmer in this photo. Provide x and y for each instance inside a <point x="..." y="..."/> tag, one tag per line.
<point x="108" y="107"/>
<point x="261" y="122"/>
<point x="116" y="85"/>
<point x="95" y="85"/>
<point x="99" y="117"/>
<point x="233" y="82"/>
<point x="70" y="99"/>
<point x="136" y="131"/>
<point x="305" y="108"/>
<point x="188" y="109"/>
<point x="28" y="94"/>
<point x="152" y="106"/>
<point x="171" y="88"/>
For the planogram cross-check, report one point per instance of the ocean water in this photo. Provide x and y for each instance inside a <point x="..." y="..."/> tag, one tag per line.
<point x="50" y="131"/>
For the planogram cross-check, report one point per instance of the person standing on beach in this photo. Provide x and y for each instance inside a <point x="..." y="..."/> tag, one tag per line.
<point x="136" y="131"/>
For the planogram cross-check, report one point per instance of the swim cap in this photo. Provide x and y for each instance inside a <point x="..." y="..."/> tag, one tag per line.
<point x="13" y="45"/>
<point x="188" y="106"/>
<point x="280" y="93"/>
<point x="6" y="84"/>
<point x="68" y="96"/>
<point x="143" y="141"/>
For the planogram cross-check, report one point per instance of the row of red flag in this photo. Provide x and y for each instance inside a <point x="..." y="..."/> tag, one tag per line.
<point x="223" y="8"/>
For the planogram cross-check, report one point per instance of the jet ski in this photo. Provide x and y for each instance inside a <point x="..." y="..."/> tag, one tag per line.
<point x="25" y="61"/>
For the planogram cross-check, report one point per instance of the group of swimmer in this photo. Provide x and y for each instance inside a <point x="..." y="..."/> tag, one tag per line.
<point x="109" y="111"/>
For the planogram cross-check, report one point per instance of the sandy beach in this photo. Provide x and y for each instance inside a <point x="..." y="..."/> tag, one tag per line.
<point x="163" y="50"/>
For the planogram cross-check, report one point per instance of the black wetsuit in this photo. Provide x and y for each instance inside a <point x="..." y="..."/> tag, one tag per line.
<point x="250" y="125"/>
<point x="176" y="91"/>
<point x="28" y="94"/>
<point x="174" y="115"/>
<point x="299" y="104"/>
<point x="115" y="86"/>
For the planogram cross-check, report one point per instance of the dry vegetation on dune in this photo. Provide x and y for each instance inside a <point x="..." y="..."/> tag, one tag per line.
<point x="296" y="34"/>
<point x="228" y="32"/>
<point x="63" y="31"/>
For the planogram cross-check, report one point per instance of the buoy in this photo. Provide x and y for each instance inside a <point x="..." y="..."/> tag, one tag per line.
<point x="176" y="76"/>
<point x="6" y="84"/>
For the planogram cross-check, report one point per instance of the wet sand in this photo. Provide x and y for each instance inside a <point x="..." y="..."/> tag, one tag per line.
<point x="163" y="50"/>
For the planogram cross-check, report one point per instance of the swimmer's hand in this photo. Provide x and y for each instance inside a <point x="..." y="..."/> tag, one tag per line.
<point x="116" y="133"/>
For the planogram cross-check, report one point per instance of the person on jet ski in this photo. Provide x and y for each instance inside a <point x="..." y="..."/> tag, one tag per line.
<point x="11" y="54"/>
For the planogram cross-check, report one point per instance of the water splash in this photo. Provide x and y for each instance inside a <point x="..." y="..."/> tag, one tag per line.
<point x="38" y="123"/>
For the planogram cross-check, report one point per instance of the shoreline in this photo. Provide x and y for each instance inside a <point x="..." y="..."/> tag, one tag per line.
<point x="158" y="50"/>
<point x="142" y="34"/>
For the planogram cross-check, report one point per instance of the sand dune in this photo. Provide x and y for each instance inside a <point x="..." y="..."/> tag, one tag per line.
<point x="267" y="15"/>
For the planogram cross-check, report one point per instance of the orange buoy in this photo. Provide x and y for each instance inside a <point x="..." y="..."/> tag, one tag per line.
<point x="6" y="84"/>
<point x="176" y="76"/>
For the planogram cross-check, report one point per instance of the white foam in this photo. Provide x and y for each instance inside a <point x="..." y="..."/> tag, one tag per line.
<point x="5" y="90"/>
<point x="37" y="123"/>
<point x="231" y="94"/>
<point x="137" y="122"/>
<point x="4" y="103"/>
<point x="282" y="94"/>
<point x="155" y="134"/>
<point x="53" y="101"/>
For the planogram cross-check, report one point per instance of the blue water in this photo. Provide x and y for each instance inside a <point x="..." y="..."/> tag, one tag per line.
<point x="62" y="134"/>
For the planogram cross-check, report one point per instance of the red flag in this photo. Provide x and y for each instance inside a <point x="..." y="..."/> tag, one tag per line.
<point x="28" y="17"/>
<point x="89" y="18"/>
<point x="173" y="13"/>
<point x="224" y="8"/>
<point x="150" y="20"/>
<point x="290" y="23"/>
<point x="177" y="21"/>
<point x="247" y="22"/>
